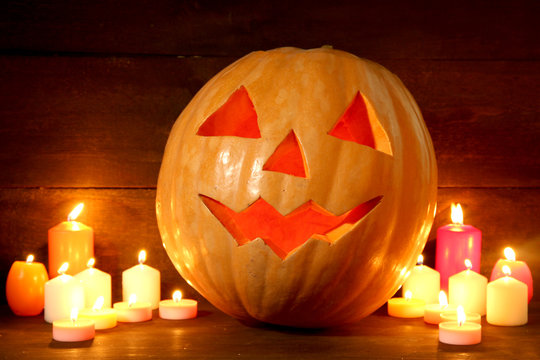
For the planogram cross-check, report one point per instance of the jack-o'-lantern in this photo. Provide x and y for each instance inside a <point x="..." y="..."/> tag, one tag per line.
<point x="298" y="187"/>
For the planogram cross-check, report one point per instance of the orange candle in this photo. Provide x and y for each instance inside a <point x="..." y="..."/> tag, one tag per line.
<point x="25" y="287"/>
<point x="72" y="242"/>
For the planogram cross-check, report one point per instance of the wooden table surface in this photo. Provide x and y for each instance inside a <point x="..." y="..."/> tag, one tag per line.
<point x="217" y="336"/>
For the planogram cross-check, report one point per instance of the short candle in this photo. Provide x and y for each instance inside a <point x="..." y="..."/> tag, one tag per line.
<point x="133" y="311"/>
<point x="406" y="307"/>
<point x="177" y="308"/>
<point x="460" y="332"/>
<point x="103" y="318"/>
<point x="73" y="329"/>
<point x="62" y="294"/>
<point x="453" y="317"/>
<point x="143" y="281"/>
<point x="25" y="287"/>
<point x="507" y="301"/>
<point x="433" y="312"/>
<point x="96" y="283"/>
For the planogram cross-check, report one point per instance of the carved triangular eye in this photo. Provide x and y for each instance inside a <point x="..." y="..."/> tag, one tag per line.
<point x="360" y="125"/>
<point x="237" y="117"/>
<point x="288" y="158"/>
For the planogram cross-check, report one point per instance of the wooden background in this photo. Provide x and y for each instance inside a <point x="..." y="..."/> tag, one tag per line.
<point x="89" y="91"/>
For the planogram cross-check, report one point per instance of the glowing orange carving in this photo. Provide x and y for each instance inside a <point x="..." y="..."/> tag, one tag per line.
<point x="237" y="117"/>
<point x="284" y="233"/>
<point x="354" y="124"/>
<point x="288" y="158"/>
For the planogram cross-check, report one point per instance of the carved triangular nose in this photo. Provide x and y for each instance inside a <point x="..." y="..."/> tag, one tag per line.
<point x="288" y="158"/>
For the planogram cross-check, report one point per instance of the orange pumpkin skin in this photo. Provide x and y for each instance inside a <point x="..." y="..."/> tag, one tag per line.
<point x="330" y="279"/>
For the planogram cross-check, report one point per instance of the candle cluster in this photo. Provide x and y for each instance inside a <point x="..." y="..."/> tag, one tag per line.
<point x="78" y="305"/>
<point x="504" y="300"/>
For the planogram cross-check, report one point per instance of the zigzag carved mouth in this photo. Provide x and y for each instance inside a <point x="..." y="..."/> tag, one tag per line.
<point x="284" y="233"/>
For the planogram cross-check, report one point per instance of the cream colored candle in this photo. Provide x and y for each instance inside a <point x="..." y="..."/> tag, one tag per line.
<point x="96" y="283"/>
<point x="460" y="332"/>
<point x="468" y="288"/>
<point x="103" y="318"/>
<point x="133" y="311"/>
<point x="423" y="282"/>
<point x="177" y="308"/>
<point x="406" y="307"/>
<point x="71" y="330"/>
<point x="143" y="281"/>
<point x="452" y="316"/>
<point x="62" y="294"/>
<point x="433" y="312"/>
<point x="507" y="301"/>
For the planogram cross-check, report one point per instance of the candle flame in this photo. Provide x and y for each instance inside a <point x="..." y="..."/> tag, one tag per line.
<point x="468" y="264"/>
<point x="177" y="296"/>
<point x="443" y="299"/>
<point x="63" y="268"/>
<point x="457" y="214"/>
<point x="29" y="259"/>
<point x="132" y="299"/>
<point x="75" y="212"/>
<point x="142" y="256"/>
<point x="99" y="303"/>
<point x="506" y="270"/>
<point x="408" y="295"/>
<point x="74" y="314"/>
<point x="420" y="260"/>
<point x="510" y="254"/>
<point x="461" y="315"/>
<point x="91" y="262"/>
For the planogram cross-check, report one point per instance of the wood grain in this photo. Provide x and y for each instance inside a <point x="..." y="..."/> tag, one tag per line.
<point x="124" y="222"/>
<point x="459" y="29"/>
<point x="104" y="122"/>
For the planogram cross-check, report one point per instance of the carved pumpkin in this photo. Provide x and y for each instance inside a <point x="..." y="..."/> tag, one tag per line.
<point x="298" y="187"/>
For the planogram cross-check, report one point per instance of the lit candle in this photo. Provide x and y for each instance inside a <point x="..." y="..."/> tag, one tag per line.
<point x="72" y="242"/>
<point x="62" y="294"/>
<point x="453" y="316"/>
<point x="142" y="280"/>
<point x="468" y="288"/>
<point x="133" y="311"/>
<point x="406" y="307"/>
<point x="460" y="332"/>
<point x="455" y="243"/>
<point x="96" y="283"/>
<point x="507" y="301"/>
<point x="25" y="287"/>
<point x="73" y="329"/>
<point x="103" y="318"/>
<point x="519" y="269"/>
<point x="177" y="308"/>
<point x="433" y="312"/>
<point x="423" y="282"/>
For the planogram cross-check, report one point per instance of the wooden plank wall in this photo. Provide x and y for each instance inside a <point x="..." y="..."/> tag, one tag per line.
<point x="90" y="90"/>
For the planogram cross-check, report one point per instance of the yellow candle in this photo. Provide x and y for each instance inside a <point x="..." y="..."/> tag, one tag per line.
<point x="433" y="312"/>
<point x="142" y="280"/>
<point x="103" y="318"/>
<point x="468" y="288"/>
<point x="406" y="307"/>
<point x="423" y="282"/>
<point x="507" y="302"/>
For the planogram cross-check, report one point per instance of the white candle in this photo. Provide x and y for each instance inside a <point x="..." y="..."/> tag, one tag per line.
<point x="143" y="281"/>
<point x="133" y="311"/>
<point x="460" y="332"/>
<point x="433" y="312"/>
<point x="96" y="283"/>
<point x="73" y="329"/>
<point x="177" y="308"/>
<point x="62" y="294"/>
<point x="507" y="301"/>
<point x="468" y="289"/>
<point x="103" y="318"/>
<point x="453" y="317"/>
<point x="423" y="282"/>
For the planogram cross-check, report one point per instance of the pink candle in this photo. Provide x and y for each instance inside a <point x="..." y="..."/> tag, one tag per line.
<point x="455" y="243"/>
<point x="73" y="329"/>
<point x="460" y="332"/>
<point x="519" y="269"/>
<point x="177" y="308"/>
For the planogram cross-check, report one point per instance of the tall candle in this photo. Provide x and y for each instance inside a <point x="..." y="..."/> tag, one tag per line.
<point x="96" y="283"/>
<point x="62" y="294"/>
<point x="519" y="269"/>
<point x="25" y="287"/>
<point x="455" y="243"/>
<point x="143" y="281"/>
<point x="507" y="301"/>
<point x="468" y="289"/>
<point x="72" y="242"/>
<point x="423" y="282"/>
